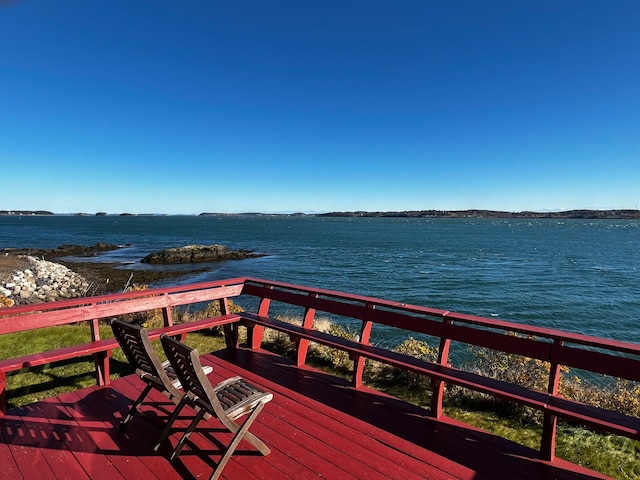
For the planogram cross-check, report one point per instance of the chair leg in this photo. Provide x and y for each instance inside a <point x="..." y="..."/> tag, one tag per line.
<point x="256" y="442"/>
<point x="134" y="407"/>
<point x="172" y="418"/>
<point x="186" y="435"/>
<point x="233" y="427"/>
<point x="239" y="435"/>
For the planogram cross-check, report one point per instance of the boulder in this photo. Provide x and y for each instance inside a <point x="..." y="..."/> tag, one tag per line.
<point x="198" y="254"/>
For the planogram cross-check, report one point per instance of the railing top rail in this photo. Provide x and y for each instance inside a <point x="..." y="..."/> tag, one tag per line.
<point x="553" y="335"/>
<point x="115" y="297"/>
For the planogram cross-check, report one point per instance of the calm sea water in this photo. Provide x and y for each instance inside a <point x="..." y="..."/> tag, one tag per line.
<point x="575" y="275"/>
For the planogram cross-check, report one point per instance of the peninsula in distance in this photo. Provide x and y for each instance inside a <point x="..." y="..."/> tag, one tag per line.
<point x="473" y="213"/>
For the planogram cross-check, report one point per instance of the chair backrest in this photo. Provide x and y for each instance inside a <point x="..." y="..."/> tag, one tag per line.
<point x="135" y="344"/>
<point x="185" y="361"/>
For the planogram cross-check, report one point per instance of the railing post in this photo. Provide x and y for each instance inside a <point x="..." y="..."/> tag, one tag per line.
<point x="167" y="316"/>
<point x="3" y="393"/>
<point x="100" y="359"/>
<point x="254" y="332"/>
<point x="550" y="423"/>
<point x="230" y="330"/>
<point x="302" y="344"/>
<point x="358" y="360"/>
<point x="103" y="370"/>
<point x="437" y="386"/>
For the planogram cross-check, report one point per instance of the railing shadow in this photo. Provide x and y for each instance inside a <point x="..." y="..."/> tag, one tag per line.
<point x="465" y="445"/>
<point x="86" y="422"/>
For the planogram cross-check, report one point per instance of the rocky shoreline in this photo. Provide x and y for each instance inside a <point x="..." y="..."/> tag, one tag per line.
<point x="26" y="277"/>
<point x="42" y="281"/>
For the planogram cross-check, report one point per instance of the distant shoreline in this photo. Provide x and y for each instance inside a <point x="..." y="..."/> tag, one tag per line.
<point x="577" y="214"/>
<point x="626" y="214"/>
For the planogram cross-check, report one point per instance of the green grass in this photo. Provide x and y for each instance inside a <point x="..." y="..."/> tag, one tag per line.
<point x="33" y="384"/>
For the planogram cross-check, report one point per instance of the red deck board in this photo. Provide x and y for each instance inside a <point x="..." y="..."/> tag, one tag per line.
<point x="326" y="388"/>
<point x="51" y="442"/>
<point x="82" y="436"/>
<point x="457" y="449"/>
<point x="340" y="433"/>
<point x="128" y="456"/>
<point x="9" y="466"/>
<point x="316" y="426"/>
<point x="269" y="467"/>
<point x="24" y="447"/>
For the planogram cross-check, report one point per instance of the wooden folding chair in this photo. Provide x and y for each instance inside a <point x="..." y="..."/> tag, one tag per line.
<point x="135" y="344"/>
<point x="228" y="401"/>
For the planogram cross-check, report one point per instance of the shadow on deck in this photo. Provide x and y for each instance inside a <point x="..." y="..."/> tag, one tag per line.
<point x="316" y="426"/>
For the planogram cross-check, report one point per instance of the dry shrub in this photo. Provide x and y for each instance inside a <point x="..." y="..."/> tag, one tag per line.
<point x="389" y="374"/>
<point x="6" y="302"/>
<point x="619" y="395"/>
<point x="338" y="358"/>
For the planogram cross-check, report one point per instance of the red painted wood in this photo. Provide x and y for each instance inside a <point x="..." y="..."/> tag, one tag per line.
<point x="24" y="446"/>
<point x="113" y="297"/>
<point x="316" y="427"/>
<point x="302" y="344"/>
<point x="403" y="315"/>
<point x="51" y="314"/>
<point x="51" y="433"/>
<point x="74" y="351"/>
<point x="559" y="348"/>
<point x="100" y="349"/>
<point x="476" y="454"/>
<point x="449" y="374"/>
<point x="319" y="392"/>
<point x="102" y="432"/>
<point x="8" y="466"/>
<point x="549" y="403"/>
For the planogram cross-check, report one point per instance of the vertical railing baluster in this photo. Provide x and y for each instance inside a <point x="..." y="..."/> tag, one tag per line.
<point x="231" y="334"/>
<point x="167" y="315"/>
<point x="100" y="359"/>
<point x="302" y="344"/>
<point x="358" y="360"/>
<point x="550" y="423"/>
<point x="255" y="332"/>
<point x="437" y="386"/>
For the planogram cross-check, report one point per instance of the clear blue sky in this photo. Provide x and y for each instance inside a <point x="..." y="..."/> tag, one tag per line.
<point x="277" y="106"/>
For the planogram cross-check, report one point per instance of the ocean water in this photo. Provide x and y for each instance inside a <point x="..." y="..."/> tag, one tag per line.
<point x="574" y="275"/>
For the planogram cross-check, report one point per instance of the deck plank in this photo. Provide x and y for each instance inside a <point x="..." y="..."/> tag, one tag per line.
<point x="331" y="427"/>
<point x="54" y="431"/>
<point x="23" y="443"/>
<point x="10" y="468"/>
<point x="457" y="449"/>
<point x="316" y="426"/>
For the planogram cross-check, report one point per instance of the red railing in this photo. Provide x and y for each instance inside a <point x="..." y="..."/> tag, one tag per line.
<point x="92" y="309"/>
<point x="559" y="349"/>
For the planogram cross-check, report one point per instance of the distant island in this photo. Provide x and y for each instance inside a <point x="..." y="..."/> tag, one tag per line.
<point x="579" y="214"/>
<point x="473" y="213"/>
<point x="25" y="212"/>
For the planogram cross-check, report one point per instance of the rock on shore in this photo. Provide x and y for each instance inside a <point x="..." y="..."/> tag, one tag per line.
<point x="43" y="281"/>
<point x="198" y="254"/>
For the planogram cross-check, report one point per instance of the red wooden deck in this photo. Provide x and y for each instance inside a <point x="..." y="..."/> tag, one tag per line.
<point x="316" y="427"/>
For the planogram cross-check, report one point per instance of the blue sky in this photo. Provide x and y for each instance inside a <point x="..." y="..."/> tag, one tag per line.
<point x="284" y="106"/>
